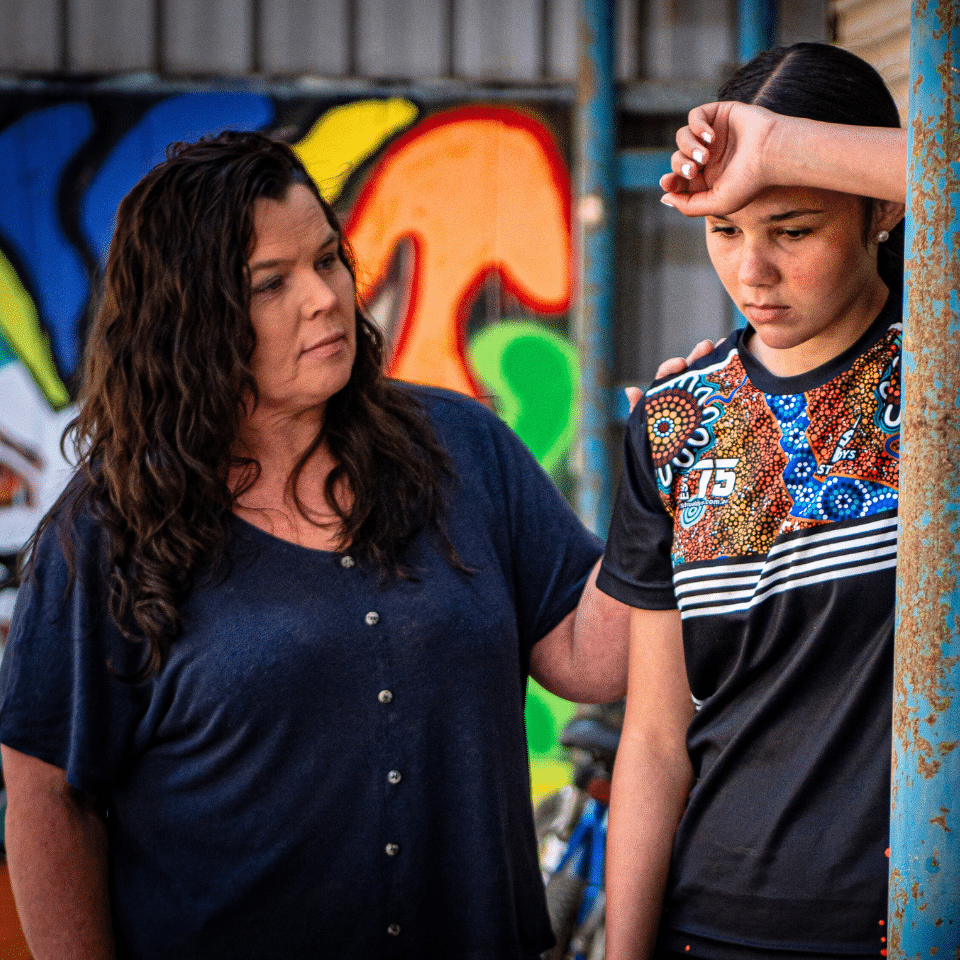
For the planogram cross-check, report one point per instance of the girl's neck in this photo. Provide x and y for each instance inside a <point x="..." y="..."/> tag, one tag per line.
<point x="804" y="357"/>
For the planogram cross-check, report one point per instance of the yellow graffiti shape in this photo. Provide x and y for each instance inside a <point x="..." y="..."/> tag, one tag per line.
<point x="477" y="191"/>
<point x="345" y="136"/>
<point x="21" y="329"/>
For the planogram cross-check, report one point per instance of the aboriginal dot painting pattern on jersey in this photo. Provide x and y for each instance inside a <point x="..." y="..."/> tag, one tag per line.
<point x="738" y="468"/>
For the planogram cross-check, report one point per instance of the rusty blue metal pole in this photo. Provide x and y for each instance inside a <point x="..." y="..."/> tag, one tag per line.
<point x="924" y="919"/>
<point x="595" y="170"/>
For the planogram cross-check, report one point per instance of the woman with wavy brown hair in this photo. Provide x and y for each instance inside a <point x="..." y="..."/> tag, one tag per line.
<point x="263" y="694"/>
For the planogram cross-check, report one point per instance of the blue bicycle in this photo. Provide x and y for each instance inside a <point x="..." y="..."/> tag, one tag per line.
<point x="572" y="830"/>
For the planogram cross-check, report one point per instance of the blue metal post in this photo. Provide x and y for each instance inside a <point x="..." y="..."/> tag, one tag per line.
<point x="756" y="32"/>
<point x="924" y="919"/>
<point x="595" y="169"/>
<point x="756" y="27"/>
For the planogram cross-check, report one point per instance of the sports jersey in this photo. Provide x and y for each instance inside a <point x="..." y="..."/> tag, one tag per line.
<point x="765" y="510"/>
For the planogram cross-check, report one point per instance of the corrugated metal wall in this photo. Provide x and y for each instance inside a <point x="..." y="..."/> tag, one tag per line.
<point x="878" y="31"/>
<point x="502" y="41"/>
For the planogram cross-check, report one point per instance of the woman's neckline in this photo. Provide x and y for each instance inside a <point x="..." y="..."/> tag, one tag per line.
<point x="269" y="537"/>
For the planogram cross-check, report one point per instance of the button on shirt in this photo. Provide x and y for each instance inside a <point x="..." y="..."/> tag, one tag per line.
<point x="324" y="758"/>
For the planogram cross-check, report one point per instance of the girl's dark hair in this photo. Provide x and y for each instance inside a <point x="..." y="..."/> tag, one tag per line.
<point x="167" y="366"/>
<point x="818" y="81"/>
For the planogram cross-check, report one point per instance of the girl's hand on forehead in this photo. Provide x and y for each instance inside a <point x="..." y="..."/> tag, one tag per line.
<point x="719" y="164"/>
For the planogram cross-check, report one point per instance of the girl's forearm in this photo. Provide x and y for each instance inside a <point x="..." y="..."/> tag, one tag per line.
<point x="649" y="795"/>
<point x="868" y="161"/>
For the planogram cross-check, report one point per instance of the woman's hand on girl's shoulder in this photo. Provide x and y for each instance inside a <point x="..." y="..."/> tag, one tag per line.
<point x="670" y="368"/>
<point x="719" y="164"/>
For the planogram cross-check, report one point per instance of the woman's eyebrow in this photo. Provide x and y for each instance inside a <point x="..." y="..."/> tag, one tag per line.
<point x="331" y="237"/>
<point x="268" y="264"/>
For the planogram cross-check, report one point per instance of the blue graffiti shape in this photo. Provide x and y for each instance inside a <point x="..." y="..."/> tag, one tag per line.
<point x="33" y="153"/>
<point x="185" y="117"/>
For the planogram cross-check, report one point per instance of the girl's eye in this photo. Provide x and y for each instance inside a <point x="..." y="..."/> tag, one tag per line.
<point x="795" y="234"/>
<point x="724" y="231"/>
<point x="327" y="261"/>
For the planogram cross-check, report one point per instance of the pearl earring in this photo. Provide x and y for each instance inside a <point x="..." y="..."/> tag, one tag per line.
<point x="883" y="236"/>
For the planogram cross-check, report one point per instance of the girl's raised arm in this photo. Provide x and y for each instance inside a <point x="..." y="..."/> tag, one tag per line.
<point x="729" y="152"/>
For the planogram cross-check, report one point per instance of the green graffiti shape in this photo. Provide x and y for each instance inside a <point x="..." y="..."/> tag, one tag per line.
<point x="20" y="328"/>
<point x="532" y="373"/>
<point x="545" y="714"/>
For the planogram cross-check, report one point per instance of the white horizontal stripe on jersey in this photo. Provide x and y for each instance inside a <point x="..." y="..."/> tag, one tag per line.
<point x="814" y="558"/>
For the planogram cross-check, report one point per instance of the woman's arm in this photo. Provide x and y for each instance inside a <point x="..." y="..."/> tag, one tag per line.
<point x="584" y="658"/>
<point x="652" y="779"/>
<point x="57" y="855"/>
<point x="729" y="152"/>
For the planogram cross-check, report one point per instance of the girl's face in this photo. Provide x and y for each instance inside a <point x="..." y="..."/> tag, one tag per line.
<point x="796" y="264"/>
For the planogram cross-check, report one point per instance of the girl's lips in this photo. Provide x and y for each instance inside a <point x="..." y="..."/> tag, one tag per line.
<point x="764" y="312"/>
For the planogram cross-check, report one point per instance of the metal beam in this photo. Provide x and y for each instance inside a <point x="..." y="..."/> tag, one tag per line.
<point x="642" y="168"/>
<point x="756" y="27"/>
<point x="924" y="918"/>
<point x="666" y="97"/>
<point x="595" y="169"/>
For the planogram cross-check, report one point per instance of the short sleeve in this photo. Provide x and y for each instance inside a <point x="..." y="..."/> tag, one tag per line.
<point x="553" y="553"/>
<point x="637" y="567"/>
<point x="59" y="701"/>
<point x="545" y="552"/>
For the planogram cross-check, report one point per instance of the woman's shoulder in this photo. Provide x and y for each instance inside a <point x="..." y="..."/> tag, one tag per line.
<point x="453" y="413"/>
<point x="474" y="437"/>
<point x="69" y="526"/>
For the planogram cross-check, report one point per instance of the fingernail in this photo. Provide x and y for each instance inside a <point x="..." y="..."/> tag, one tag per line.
<point x="666" y="202"/>
<point x="699" y="155"/>
<point x="707" y="137"/>
<point x="687" y="170"/>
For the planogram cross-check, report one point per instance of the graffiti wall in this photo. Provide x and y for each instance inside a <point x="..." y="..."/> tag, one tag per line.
<point x="459" y="215"/>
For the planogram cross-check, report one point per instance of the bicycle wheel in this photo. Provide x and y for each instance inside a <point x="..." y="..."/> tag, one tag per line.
<point x="587" y="939"/>
<point x="564" y="893"/>
<point x="598" y="949"/>
<point x="555" y="817"/>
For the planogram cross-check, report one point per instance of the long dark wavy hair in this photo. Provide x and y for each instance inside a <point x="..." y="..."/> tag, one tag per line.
<point x="166" y="369"/>
<point x="818" y="81"/>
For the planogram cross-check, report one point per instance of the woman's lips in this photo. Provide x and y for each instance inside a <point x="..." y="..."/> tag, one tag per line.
<point x="331" y="343"/>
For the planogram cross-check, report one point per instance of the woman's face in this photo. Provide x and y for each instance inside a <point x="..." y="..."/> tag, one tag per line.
<point x="795" y="262"/>
<point x="302" y="307"/>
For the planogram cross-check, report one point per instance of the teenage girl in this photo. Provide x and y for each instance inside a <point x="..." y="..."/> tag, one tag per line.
<point x="754" y="537"/>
